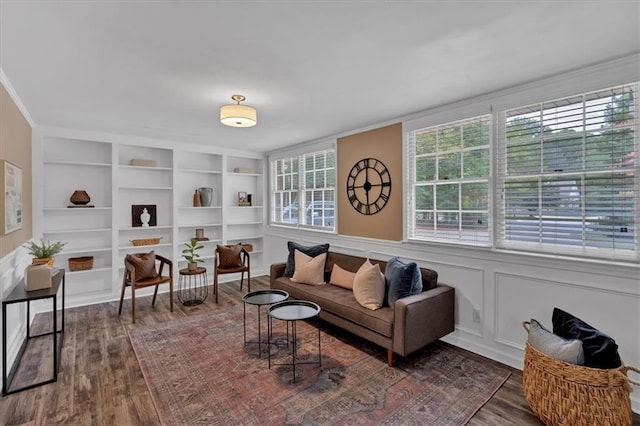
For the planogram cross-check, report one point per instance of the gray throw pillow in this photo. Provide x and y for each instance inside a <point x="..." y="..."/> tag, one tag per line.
<point x="402" y="280"/>
<point x="555" y="346"/>
<point x="311" y="251"/>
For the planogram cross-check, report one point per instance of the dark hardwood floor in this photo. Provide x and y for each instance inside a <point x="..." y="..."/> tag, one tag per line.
<point x="100" y="382"/>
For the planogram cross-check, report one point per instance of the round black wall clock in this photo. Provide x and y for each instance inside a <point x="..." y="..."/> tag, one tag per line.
<point x="369" y="186"/>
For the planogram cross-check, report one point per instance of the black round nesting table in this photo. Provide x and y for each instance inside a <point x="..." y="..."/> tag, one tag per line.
<point x="260" y="298"/>
<point x="193" y="287"/>
<point x="292" y="311"/>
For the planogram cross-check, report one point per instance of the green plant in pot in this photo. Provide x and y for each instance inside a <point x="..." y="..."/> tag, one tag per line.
<point x="45" y="251"/>
<point x="190" y="253"/>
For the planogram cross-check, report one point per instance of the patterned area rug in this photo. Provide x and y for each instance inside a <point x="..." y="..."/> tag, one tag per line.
<point x="199" y="372"/>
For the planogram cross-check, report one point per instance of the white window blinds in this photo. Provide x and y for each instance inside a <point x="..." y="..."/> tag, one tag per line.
<point x="568" y="175"/>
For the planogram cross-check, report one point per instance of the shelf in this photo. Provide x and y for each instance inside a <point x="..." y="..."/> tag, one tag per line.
<point x="147" y="188"/>
<point x="145" y="228"/>
<point x="200" y="225"/>
<point x="203" y="242"/>
<point x="85" y="251"/>
<point x="106" y="268"/>
<point x="199" y="208"/>
<point x="76" y="231"/>
<point x="245" y="174"/>
<point x="74" y="209"/>
<point x="145" y="168"/>
<point x="212" y="172"/>
<point x="76" y="163"/>
<point x="249" y="237"/>
<point x="245" y="223"/>
<point x="146" y="246"/>
<point x="244" y="207"/>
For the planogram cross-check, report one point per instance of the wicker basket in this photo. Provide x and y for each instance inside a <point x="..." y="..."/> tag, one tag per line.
<point x="146" y="241"/>
<point x="247" y="247"/>
<point x="561" y="393"/>
<point x="80" y="263"/>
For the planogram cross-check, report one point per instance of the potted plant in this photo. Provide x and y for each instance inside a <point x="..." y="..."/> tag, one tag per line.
<point x="45" y="251"/>
<point x="190" y="253"/>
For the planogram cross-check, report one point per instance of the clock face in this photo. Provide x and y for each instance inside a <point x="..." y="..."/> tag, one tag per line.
<point x="369" y="186"/>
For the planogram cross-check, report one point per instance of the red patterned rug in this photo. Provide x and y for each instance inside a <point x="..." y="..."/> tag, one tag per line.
<point x="199" y="372"/>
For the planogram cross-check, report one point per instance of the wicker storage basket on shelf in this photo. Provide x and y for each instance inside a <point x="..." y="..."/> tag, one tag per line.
<point x="80" y="263"/>
<point x="146" y="241"/>
<point x="560" y="393"/>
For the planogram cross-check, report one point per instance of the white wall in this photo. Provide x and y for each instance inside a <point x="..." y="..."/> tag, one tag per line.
<point x="506" y="288"/>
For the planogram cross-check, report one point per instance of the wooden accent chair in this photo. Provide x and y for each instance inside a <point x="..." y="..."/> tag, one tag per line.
<point x="231" y="259"/>
<point x="140" y="272"/>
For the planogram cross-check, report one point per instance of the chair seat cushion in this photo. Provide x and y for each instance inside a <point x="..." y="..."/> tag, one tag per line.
<point x="159" y="279"/>
<point x="221" y="270"/>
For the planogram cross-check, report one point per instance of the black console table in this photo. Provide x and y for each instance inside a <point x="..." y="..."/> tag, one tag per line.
<point x="20" y="295"/>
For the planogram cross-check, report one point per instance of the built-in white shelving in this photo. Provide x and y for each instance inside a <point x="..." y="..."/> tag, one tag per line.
<point x="105" y="231"/>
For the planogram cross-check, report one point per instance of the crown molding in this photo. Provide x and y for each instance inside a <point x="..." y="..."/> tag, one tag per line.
<point x="16" y="99"/>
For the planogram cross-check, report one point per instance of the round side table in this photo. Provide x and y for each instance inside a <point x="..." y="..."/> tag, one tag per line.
<point x="292" y="311"/>
<point x="193" y="287"/>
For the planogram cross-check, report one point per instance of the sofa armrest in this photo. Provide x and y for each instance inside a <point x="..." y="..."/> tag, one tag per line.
<point x="277" y="271"/>
<point x="422" y="319"/>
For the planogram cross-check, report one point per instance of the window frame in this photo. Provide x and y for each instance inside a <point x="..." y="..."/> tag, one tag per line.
<point x="485" y="239"/>
<point x="302" y="192"/>
<point x="593" y="79"/>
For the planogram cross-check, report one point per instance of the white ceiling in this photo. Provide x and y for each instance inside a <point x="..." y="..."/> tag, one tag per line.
<point x="311" y="68"/>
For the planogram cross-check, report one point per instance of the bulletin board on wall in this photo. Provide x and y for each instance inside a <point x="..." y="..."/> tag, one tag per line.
<point x="370" y="183"/>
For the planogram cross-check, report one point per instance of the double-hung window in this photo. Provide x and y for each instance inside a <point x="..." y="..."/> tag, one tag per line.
<point x="568" y="175"/>
<point x="303" y="190"/>
<point x="449" y="168"/>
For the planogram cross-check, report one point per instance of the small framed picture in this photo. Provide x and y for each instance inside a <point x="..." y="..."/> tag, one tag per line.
<point x="242" y="199"/>
<point x="143" y="215"/>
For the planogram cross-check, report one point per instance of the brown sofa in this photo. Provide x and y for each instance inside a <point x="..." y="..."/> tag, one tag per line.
<point x="412" y="323"/>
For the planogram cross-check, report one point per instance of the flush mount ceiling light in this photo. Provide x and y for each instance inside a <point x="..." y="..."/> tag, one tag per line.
<point x="238" y="115"/>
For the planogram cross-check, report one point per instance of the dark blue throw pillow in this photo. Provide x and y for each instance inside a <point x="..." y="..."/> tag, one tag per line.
<point x="401" y="280"/>
<point x="600" y="350"/>
<point x="312" y="251"/>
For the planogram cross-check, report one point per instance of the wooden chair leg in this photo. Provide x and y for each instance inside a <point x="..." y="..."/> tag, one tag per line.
<point x="171" y="295"/>
<point x="390" y="357"/>
<point x="215" y="285"/>
<point x="241" y="280"/>
<point x="155" y="293"/>
<point x="124" y="286"/>
<point x="133" y="303"/>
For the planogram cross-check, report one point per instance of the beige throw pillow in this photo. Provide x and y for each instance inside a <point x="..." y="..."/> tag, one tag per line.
<point x="309" y="270"/>
<point x="368" y="286"/>
<point x="341" y="277"/>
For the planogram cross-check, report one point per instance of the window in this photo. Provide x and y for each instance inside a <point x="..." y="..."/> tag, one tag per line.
<point x="568" y="175"/>
<point x="448" y="169"/>
<point x="303" y="190"/>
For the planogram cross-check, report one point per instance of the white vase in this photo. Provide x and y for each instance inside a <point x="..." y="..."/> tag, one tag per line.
<point x="145" y="217"/>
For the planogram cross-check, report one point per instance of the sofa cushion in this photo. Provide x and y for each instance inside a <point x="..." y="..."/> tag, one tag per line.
<point x="144" y="264"/>
<point x="312" y="251"/>
<point x="340" y="302"/>
<point x="600" y="350"/>
<point x="554" y="345"/>
<point x="309" y="270"/>
<point x="342" y="278"/>
<point x="368" y="286"/>
<point x="402" y="280"/>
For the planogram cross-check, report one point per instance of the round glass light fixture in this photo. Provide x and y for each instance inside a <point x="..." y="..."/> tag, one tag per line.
<point x="238" y="115"/>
